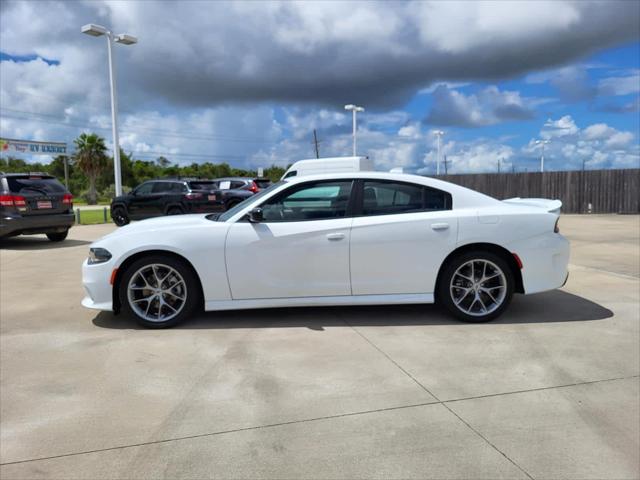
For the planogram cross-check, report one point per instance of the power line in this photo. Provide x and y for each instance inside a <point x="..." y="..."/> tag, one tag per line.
<point x="149" y="131"/>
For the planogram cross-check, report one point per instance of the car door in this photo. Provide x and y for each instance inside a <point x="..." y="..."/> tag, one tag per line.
<point x="300" y="249"/>
<point x="401" y="237"/>
<point x="140" y="198"/>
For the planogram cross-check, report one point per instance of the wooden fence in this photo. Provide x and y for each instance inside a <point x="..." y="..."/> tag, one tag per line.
<point x="595" y="191"/>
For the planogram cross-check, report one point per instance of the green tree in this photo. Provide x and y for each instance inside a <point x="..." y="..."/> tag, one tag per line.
<point x="91" y="159"/>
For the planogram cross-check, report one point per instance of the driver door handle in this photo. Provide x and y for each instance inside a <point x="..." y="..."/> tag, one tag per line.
<point x="439" y="226"/>
<point x="335" y="236"/>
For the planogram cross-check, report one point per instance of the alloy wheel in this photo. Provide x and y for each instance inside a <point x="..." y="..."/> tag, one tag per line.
<point x="478" y="287"/>
<point x="157" y="292"/>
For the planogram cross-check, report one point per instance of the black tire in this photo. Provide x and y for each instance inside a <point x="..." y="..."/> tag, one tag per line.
<point x="445" y="293"/>
<point x="119" y="216"/>
<point x="193" y="297"/>
<point x="57" y="236"/>
<point x="231" y="203"/>
<point x="175" y="211"/>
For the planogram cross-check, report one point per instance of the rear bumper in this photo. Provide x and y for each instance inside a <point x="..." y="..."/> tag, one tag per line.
<point x="545" y="261"/>
<point x="18" y="224"/>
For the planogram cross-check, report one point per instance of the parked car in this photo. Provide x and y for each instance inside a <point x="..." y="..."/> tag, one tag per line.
<point x="362" y="238"/>
<point x="34" y="203"/>
<point x="156" y="198"/>
<point x="254" y="185"/>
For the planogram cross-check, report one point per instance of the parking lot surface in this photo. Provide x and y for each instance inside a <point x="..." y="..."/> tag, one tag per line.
<point x="550" y="390"/>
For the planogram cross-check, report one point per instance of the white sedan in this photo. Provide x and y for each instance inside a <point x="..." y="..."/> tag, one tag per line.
<point x="361" y="238"/>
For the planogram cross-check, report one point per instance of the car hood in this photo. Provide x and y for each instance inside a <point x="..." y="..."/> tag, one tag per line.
<point x="173" y="223"/>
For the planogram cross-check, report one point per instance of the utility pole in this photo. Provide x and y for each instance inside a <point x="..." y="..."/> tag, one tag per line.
<point x="315" y="143"/>
<point x="354" y="109"/>
<point x="66" y="171"/>
<point x="438" y="134"/>
<point x="446" y="170"/>
<point x="499" y="162"/>
<point x="543" y="143"/>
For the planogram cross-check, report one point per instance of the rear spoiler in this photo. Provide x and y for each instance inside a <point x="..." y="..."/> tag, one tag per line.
<point x="551" y="206"/>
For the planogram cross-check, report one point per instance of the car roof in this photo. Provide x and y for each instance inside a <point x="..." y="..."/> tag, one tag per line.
<point x="27" y="174"/>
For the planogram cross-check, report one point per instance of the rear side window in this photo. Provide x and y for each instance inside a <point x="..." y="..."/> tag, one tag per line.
<point x="292" y="173"/>
<point x="35" y="185"/>
<point x="178" y="187"/>
<point x="162" y="187"/>
<point x="203" y="185"/>
<point x="310" y="201"/>
<point x="388" y="198"/>
<point x="238" y="184"/>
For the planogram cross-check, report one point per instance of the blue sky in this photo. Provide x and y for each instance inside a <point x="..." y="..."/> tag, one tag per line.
<point x="248" y="82"/>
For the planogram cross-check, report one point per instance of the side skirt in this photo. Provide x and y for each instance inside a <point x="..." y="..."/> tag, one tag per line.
<point x="319" y="301"/>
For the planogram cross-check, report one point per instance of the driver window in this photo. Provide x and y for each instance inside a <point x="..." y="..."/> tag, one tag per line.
<point x="144" y="189"/>
<point x="310" y="201"/>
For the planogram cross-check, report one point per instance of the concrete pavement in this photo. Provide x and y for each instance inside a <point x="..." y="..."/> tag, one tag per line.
<point x="548" y="391"/>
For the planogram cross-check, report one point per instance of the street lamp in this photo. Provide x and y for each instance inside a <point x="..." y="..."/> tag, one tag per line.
<point x="124" y="39"/>
<point x="543" y="143"/>
<point x="438" y="134"/>
<point x="354" y="109"/>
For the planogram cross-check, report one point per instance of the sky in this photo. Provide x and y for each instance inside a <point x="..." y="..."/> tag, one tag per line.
<point x="248" y="82"/>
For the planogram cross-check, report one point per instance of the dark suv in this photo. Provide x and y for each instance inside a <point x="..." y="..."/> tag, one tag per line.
<point x="34" y="203"/>
<point x="155" y="198"/>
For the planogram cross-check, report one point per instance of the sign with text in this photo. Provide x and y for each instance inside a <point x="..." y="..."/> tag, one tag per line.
<point x="33" y="148"/>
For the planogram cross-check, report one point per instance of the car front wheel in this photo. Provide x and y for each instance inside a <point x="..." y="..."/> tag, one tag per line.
<point x="159" y="291"/>
<point x="476" y="286"/>
<point x="57" y="236"/>
<point x="120" y="217"/>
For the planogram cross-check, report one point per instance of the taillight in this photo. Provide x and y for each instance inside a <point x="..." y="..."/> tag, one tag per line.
<point x="193" y="196"/>
<point x="67" y="199"/>
<point x="254" y="187"/>
<point x="556" y="228"/>
<point x="12" y="201"/>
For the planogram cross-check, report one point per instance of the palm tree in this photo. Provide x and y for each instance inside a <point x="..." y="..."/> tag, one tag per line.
<point x="91" y="158"/>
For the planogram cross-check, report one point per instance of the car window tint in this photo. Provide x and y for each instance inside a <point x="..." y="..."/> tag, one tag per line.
<point x="237" y="184"/>
<point x="35" y="184"/>
<point x="203" y="185"/>
<point x="178" y="187"/>
<point x="162" y="187"/>
<point x="292" y="173"/>
<point x="387" y="198"/>
<point x="310" y="201"/>
<point x="145" y="188"/>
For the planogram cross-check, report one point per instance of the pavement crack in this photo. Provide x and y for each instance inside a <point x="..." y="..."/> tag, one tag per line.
<point x="440" y="401"/>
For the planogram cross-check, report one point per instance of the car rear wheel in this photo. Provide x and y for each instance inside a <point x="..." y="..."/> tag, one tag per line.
<point x="57" y="236"/>
<point x="476" y="286"/>
<point x="175" y="211"/>
<point x="120" y="217"/>
<point x="159" y="291"/>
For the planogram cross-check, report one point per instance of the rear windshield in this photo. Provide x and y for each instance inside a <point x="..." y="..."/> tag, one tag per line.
<point x="34" y="184"/>
<point x="203" y="185"/>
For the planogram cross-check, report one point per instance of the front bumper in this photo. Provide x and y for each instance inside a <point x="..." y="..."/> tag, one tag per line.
<point x="96" y="282"/>
<point x="31" y="224"/>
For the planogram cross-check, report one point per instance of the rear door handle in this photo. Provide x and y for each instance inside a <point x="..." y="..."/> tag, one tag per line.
<point x="439" y="226"/>
<point x="335" y="236"/>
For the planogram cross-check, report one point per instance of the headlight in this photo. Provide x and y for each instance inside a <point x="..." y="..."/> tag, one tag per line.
<point x="98" y="255"/>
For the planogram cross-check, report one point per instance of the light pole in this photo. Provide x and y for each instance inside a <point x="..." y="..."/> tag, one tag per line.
<point x="438" y="134"/>
<point x="124" y="39"/>
<point x="543" y="143"/>
<point x="354" y="109"/>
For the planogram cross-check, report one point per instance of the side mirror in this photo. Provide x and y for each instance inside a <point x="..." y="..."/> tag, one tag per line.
<point x="255" y="215"/>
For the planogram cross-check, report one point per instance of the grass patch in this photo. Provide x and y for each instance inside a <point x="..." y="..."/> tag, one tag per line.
<point x="92" y="217"/>
<point x="82" y="203"/>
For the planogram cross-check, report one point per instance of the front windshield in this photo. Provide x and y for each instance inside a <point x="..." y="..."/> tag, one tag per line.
<point x="232" y="211"/>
